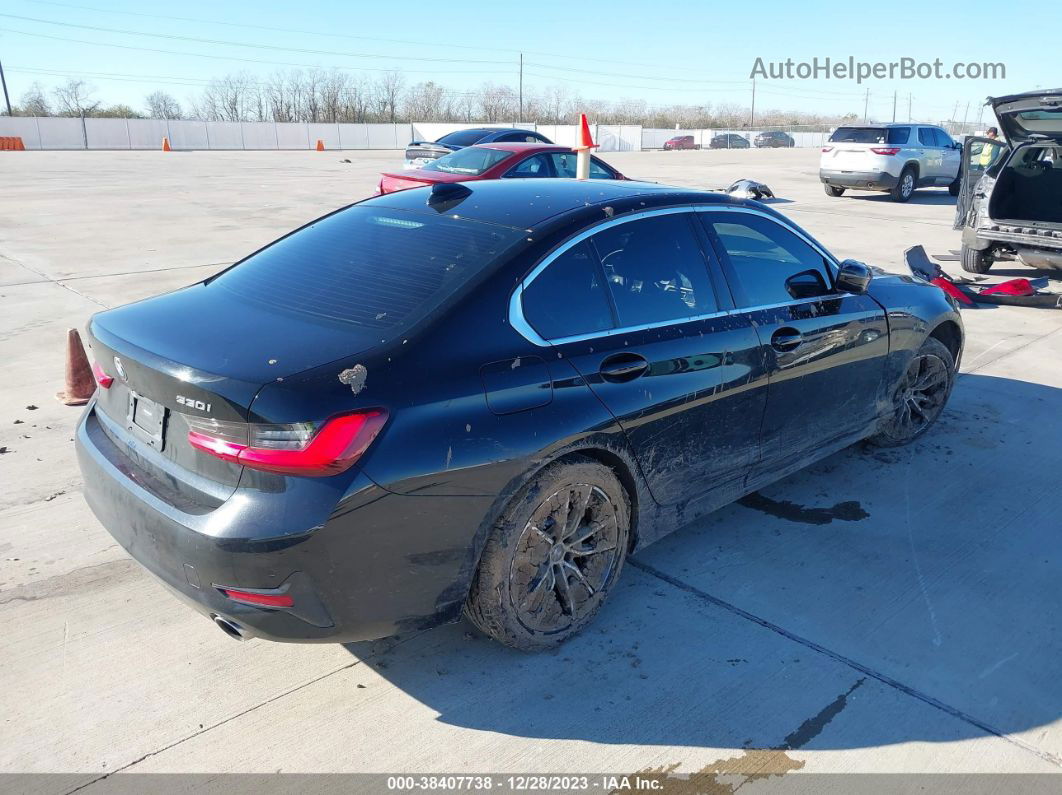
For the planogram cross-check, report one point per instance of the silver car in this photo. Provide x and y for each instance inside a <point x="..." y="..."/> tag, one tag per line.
<point x="894" y="158"/>
<point x="1009" y="207"/>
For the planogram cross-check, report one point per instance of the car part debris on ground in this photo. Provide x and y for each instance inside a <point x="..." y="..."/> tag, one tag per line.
<point x="1013" y="292"/>
<point x="750" y="189"/>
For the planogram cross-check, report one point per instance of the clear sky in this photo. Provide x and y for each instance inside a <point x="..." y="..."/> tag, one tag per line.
<point x="680" y="51"/>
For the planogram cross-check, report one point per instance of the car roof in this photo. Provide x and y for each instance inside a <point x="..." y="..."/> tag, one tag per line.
<point x="531" y="203"/>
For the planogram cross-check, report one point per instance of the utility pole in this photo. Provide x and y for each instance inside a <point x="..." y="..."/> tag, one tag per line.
<point x="894" y="106"/>
<point x="752" y="119"/>
<point x="521" y="88"/>
<point x="7" y="100"/>
<point x="866" y="106"/>
<point x="965" y="113"/>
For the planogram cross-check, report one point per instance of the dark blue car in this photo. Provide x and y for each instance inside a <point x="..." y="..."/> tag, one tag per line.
<point x="420" y="152"/>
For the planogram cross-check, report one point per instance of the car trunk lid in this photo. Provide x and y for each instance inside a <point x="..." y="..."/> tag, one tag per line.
<point x="1034" y="114"/>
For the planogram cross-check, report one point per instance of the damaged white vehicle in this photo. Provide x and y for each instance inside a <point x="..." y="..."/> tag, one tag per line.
<point x="1010" y="198"/>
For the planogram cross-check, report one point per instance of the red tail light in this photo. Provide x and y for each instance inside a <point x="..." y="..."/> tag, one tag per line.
<point x="827" y="149"/>
<point x="884" y="150"/>
<point x="260" y="599"/>
<point x="102" y="378"/>
<point x="305" y="448"/>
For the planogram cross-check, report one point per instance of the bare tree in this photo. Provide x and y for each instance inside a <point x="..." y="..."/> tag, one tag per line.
<point x="35" y="103"/>
<point x="497" y="103"/>
<point x="386" y="93"/>
<point x="162" y="106"/>
<point x="74" y="98"/>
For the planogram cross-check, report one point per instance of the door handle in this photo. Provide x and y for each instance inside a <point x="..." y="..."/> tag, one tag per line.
<point x="786" y="339"/>
<point x="623" y="367"/>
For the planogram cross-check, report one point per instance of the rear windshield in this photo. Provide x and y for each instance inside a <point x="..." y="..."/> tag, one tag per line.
<point x="472" y="161"/>
<point x="369" y="266"/>
<point x="462" y="137"/>
<point x="871" y="135"/>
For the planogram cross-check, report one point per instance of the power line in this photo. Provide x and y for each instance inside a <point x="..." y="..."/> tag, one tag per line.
<point x="222" y="42"/>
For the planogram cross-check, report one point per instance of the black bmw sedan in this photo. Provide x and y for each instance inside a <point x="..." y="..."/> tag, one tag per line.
<point x="483" y="397"/>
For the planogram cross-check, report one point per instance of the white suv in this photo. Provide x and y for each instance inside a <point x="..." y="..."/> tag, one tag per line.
<point x="895" y="158"/>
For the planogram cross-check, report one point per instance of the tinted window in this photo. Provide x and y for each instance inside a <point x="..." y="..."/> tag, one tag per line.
<point x="655" y="270"/>
<point x="925" y="137"/>
<point x="858" y="135"/>
<point x="898" y="135"/>
<point x="472" y="160"/>
<point x="564" y="165"/>
<point x="519" y="137"/>
<point x="764" y="254"/>
<point x="463" y="137"/>
<point x="943" y="139"/>
<point x="370" y="266"/>
<point x="568" y="298"/>
<point x="535" y="166"/>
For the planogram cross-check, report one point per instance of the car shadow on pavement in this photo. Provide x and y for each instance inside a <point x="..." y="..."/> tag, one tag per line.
<point x="931" y="197"/>
<point x="881" y="596"/>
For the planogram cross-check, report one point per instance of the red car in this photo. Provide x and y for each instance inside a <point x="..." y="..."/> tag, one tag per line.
<point x="496" y="161"/>
<point x="681" y="142"/>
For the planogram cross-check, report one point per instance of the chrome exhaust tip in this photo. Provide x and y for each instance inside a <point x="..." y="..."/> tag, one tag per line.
<point x="229" y="628"/>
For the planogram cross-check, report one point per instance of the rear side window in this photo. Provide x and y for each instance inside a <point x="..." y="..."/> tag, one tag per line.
<point x="655" y="270"/>
<point x="564" y="165"/>
<point x="369" y="266"/>
<point x="568" y="297"/>
<point x="763" y="255"/>
<point x="519" y="137"/>
<point x="898" y="136"/>
<point x="463" y="137"/>
<point x="858" y="135"/>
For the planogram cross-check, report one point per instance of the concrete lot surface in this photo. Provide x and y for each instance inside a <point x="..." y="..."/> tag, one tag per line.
<point x="926" y="637"/>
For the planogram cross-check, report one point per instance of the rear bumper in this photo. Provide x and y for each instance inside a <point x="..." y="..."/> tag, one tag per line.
<point x="865" y="180"/>
<point x="372" y="565"/>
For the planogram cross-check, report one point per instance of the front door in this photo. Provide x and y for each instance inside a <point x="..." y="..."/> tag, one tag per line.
<point x="824" y="350"/>
<point x="635" y="310"/>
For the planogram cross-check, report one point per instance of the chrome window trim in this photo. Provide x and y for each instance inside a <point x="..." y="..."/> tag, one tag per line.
<point x="524" y="329"/>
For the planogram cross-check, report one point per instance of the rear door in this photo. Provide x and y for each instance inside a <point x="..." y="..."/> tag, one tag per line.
<point x="978" y="154"/>
<point x="824" y="350"/>
<point x="633" y="306"/>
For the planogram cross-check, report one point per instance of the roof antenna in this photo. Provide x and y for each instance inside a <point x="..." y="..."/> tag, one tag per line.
<point x="444" y="196"/>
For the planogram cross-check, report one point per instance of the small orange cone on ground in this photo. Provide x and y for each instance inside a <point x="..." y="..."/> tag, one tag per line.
<point x="80" y="383"/>
<point x="166" y="145"/>
<point x="320" y="145"/>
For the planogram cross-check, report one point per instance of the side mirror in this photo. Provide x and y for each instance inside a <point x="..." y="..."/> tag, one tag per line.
<point x="853" y="277"/>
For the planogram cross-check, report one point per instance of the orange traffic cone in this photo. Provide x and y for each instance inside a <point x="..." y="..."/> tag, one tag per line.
<point x="80" y="383"/>
<point x="320" y="145"/>
<point x="585" y="141"/>
<point x="166" y="145"/>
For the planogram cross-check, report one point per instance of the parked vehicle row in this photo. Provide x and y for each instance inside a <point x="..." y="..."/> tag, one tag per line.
<point x="894" y="158"/>
<point x="765" y="140"/>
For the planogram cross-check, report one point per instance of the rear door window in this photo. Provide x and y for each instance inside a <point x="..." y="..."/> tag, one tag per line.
<point x="655" y="270"/>
<point x="763" y="254"/>
<point x="898" y="136"/>
<point x="926" y="137"/>
<point x="568" y="298"/>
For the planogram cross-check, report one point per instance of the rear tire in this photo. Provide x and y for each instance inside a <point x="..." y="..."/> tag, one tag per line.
<point x="974" y="261"/>
<point x="905" y="186"/>
<point x="553" y="556"/>
<point x="920" y="396"/>
<point x="833" y="190"/>
<point x="955" y="187"/>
